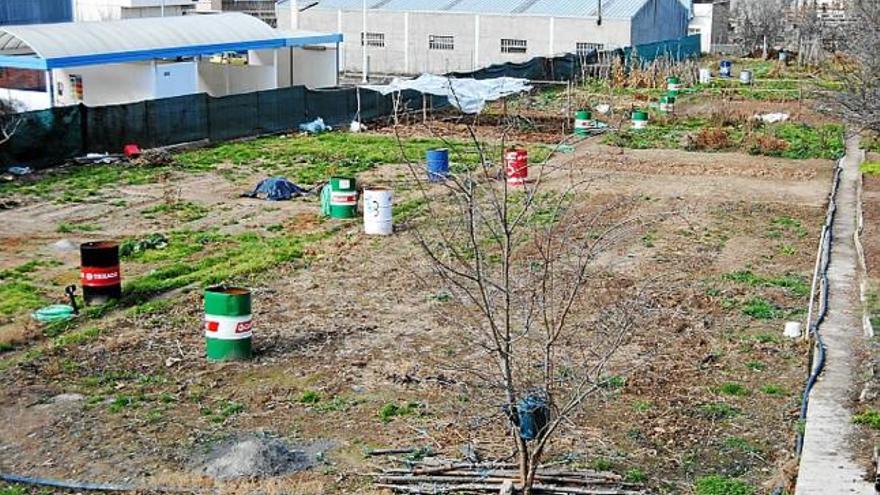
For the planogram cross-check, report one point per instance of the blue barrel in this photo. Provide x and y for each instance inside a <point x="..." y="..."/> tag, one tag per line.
<point x="726" y="68"/>
<point x="438" y="164"/>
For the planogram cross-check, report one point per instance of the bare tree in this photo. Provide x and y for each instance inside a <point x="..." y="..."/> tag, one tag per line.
<point x="759" y="23"/>
<point x="859" y="67"/>
<point x="542" y="318"/>
<point x="10" y="120"/>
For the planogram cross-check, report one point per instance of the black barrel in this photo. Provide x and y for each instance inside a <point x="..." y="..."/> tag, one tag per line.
<point x="101" y="277"/>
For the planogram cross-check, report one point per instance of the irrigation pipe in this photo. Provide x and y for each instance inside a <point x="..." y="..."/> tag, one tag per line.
<point x="84" y="485"/>
<point x="823" y="262"/>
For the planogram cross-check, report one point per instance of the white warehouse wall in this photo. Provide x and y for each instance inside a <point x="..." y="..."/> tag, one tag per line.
<point x="108" y="10"/>
<point x="477" y="38"/>
<point x="702" y="21"/>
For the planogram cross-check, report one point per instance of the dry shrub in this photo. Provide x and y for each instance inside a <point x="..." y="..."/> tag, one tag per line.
<point x="764" y="144"/>
<point x="724" y="115"/>
<point x="712" y="138"/>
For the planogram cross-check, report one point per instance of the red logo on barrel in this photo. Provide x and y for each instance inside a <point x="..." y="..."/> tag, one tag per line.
<point x="100" y="276"/>
<point x="212" y="326"/>
<point x="244" y="327"/>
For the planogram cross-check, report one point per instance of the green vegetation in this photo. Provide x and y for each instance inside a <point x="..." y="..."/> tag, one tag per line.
<point x="739" y="444"/>
<point x="602" y="464"/>
<point x="718" y="411"/>
<point x="761" y="309"/>
<point x="312" y="159"/>
<point x="786" y="139"/>
<point x="734" y="389"/>
<point x="775" y="390"/>
<point x="781" y="225"/>
<point x="18" y="297"/>
<point x="795" y="284"/>
<point x="868" y="417"/>
<point x="79" y="183"/>
<point x="614" y="382"/>
<point x="756" y="365"/>
<point x="720" y="485"/>
<point x="392" y="410"/>
<point x="871" y="168"/>
<point x="635" y="476"/>
<point x="122" y="402"/>
<point x="309" y="397"/>
<point x="182" y="211"/>
<point x="642" y="406"/>
<point x="222" y="411"/>
<point x="66" y="228"/>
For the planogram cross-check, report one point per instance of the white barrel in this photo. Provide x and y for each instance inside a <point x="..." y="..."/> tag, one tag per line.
<point x="377" y="212"/>
<point x="745" y="77"/>
<point x="705" y="76"/>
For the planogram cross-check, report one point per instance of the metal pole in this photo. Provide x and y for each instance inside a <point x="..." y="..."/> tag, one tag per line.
<point x="162" y="9"/>
<point x="364" y="44"/>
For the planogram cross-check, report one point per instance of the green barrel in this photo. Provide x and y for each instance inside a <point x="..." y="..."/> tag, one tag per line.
<point x="583" y="122"/>
<point x="228" y="324"/>
<point x="340" y="198"/>
<point x="673" y="85"/>
<point x="667" y="103"/>
<point x="639" y="119"/>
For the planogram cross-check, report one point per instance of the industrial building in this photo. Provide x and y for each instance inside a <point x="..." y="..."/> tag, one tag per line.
<point x="115" y="62"/>
<point x="438" y="36"/>
<point x="111" y="10"/>
<point x="34" y="11"/>
<point x="711" y="21"/>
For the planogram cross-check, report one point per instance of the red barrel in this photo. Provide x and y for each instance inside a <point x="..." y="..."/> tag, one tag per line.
<point x="101" y="278"/>
<point x="517" y="162"/>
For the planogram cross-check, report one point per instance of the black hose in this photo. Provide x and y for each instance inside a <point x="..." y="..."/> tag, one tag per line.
<point x="823" y="309"/>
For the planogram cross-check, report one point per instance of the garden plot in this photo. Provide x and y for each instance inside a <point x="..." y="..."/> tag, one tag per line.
<point x="355" y="346"/>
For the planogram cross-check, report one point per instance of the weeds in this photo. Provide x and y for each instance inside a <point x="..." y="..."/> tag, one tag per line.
<point x="869" y="418"/>
<point x="720" y="485"/>
<point x="18" y="297"/>
<point x="734" y="389"/>
<point x="871" y="168"/>
<point x="773" y="390"/>
<point x="793" y="283"/>
<point x="718" y="411"/>
<point x="392" y="410"/>
<point x="761" y="309"/>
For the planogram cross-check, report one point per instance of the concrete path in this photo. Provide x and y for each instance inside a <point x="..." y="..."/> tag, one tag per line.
<point x="828" y="465"/>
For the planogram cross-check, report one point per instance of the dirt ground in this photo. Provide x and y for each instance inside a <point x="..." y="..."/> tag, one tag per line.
<point x="357" y="323"/>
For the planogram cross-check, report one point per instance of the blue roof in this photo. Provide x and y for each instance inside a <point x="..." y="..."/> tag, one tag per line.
<point x="76" y="44"/>
<point x="611" y="9"/>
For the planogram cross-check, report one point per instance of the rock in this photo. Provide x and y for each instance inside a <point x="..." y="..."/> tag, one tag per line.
<point x="64" y="245"/>
<point x="71" y="397"/>
<point x="255" y="457"/>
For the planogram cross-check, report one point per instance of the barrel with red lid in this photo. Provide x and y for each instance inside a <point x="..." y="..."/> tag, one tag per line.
<point x="516" y="161"/>
<point x="101" y="277"/>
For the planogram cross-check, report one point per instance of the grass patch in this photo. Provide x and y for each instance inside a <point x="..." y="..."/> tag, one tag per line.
<point x="734" y="389"/>
<point x="182" y="211"/>
<point x="223" y="411"/>
<point x="869" y="417"/>
<point x="793" y="283"/>
<point x="756" y="365"/>
<point x="67" y="228"/>
<point x="19" y="297"/>
<point x="739" y="444"/>
<point x="871" y="168"/>
<point x="786" y="139"/>
<point x="309" y="397"/>
<point x="721" y="485"/>
<point x="79" y="183"/>
<point x="392" y="410"/>
<point x="774" y="390"/>
<point x="635" y="476"/>
<point x="718" y="411"/>
<point x="760" y="309"/>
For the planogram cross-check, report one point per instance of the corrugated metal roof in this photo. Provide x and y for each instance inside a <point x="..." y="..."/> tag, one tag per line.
<point x="73" y="44"/>
<point x="611" y="9"/>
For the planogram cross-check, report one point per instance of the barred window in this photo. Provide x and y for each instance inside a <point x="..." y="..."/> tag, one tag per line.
<point x="584" y="48"/>
<point x="437" y="42"/>
<point x="375" y="40"/>
<point x="514" y="46"/>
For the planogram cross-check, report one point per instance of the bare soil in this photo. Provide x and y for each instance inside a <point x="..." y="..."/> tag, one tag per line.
<point x="358" y="322"/>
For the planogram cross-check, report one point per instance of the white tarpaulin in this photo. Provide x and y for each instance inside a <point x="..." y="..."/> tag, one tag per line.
<point x="468" y="95"/>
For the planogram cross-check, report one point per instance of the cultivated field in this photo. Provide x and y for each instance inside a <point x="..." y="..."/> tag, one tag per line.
<point x="355" y="349"/>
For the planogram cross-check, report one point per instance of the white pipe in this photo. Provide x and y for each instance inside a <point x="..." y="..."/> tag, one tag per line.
<point x="364" y="43"/>
<point x="163" y="9"/>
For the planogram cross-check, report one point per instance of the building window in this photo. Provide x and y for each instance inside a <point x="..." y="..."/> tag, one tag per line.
<point x="692" y="31"/>
<point x="436" y="42"/>
<point x="584" y="48"/>
<point x="514" y="46"/>
<point x="375" y="40"/>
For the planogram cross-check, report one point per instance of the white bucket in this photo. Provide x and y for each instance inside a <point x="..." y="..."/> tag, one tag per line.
<point x="639" y="124"/>
<point x="705" y="76"/>
<point x="792" y="329"/>
<point x="745" y="77"/>
<point x="377" y="212"/>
